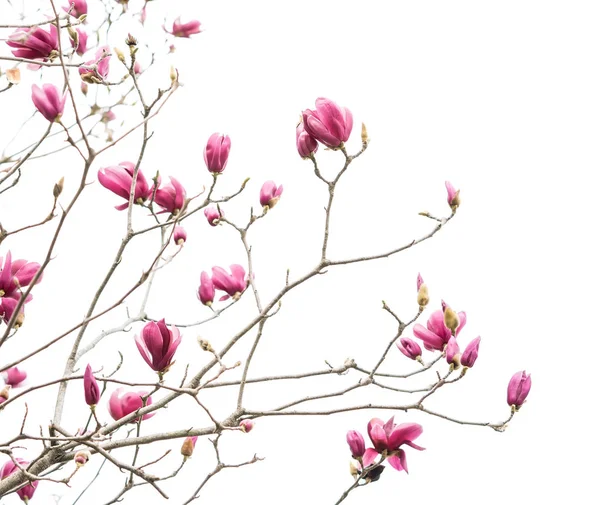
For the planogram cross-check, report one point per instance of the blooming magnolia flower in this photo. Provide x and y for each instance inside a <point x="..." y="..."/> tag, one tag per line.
<point x="7" y="309"/>
<point x="388" y="438"/>
<point x="179" y="235"/>
<point x="14" y="275"/>
<point x="185" y="29"/>
<point x="518" y="389"/>
<point x="27" y="491"/>
<point x="79" y="8"/>
<point x="34" y="43"/>
<point x="121" y="405"/>
<point x="356" y="442"/>
<point x="48" y="101"/>
<point x="409" y="348"/>
<point x="330" y="124"/>
<point x="213" y="215"/>
<point x="233" y="284"/>
<point x="269" y="194"/>
<point x="119" y="178"/>
<point x="305" y="144"/>
<point x="82" y="38"/>
<point x="247" y="425"/>
<point x="90" y="387"/>
<point x="469" y="356"/>
<point x="452" y="352"/>
<point x="216" y="152"/>
<point x="436" y="335"/>
<point x="13" y="376"/>
<point x="453" y="196"/>
<point x="171" y="197"/>
<point x="187" y="448"/>
<point x="206" y="291"/>
<point x="157" y="345"/>
<point x="96" y="71"/>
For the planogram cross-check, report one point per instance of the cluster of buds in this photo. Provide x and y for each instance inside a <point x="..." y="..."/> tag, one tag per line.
<point x="232" y="284"/>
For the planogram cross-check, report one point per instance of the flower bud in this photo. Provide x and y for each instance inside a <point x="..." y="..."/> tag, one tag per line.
<point x="357" y="443"/>
<point x="247" y="425"/>
<point x="187" y="448"/>
<point x="119" y="54"/>
<point x="410" y="349"/>
<point x="216" y="152"/>
<point x="90" y="387"/>
<point x="269" y="194"/>
<point x="179" y="235"/>
<point x="453" y="196"/>
<point x="364" y="136"/>
<point x="354" y="471"/>
<point x="423" y="296"/>
<point x="82" y="457"/>
<point x="13" y="75"/>
<point x="13" y="376"/>
<point x="58" y="187"/>
<point x="213" y="215"/>
<point x="453" y="353"/>
<point x="518" y="389"/>
<point x="4" y="394"/>
<point x="451" y="320"/>
<point x="469" y="357"/>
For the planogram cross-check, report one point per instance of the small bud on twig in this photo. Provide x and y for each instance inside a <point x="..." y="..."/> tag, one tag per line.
<point x="364" y="136"/>
<point x="58" y="187"/>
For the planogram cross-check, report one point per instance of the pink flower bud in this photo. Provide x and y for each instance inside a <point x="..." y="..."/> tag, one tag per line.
<point x="518" y="389"/>
<point x="13" y="376"/>
<point x="82" y="38"/>
<point x="305" y="144"/>
<point x="269" y="194"/>
<point x="247" y="425"/>
<point x="234" y="284"/>
<point x="419" y="281"/>
<point x="206" y="291"/>
<point x="157" y="345"/>
<point x="109" y="116"/>
<point x="96" y="71"/>
<point x="171" y="197"/>
<point x="452" y="352"/>
<point x="34" y="43"/>
<point x="216" y="152"/>
<point x="436" y="335"/>
<point x="185" y="29"/>
<point x="82" y="457"/>
<point x="212" y="215"/>
<point x="469" y="357"/>
<point x="79" y="8"/>
<point x="357" y="443"/>
<point x="330" y="124"/>
<point x="121" y="405"/>
<point x="27" y="491"/>
<point x="118" y="179"/>
<point x="7" y="309"/>
<point x="179" y="235"/>
<point x="453" y="196"/>
<point x="48" y="101"/>
<point x="137" y="68"/>
<point x="187" y="448"/>
<point x="90" y="387"/>
<point x="409" y="348"/>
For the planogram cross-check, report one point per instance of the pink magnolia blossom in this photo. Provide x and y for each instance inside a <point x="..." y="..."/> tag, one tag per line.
<point x="13" y="376"/>
<point x="137" y="68"/>
<point x="171" y="197"/>
<point x="14" y="275"/>
<point x="269" y="194"/>
<point x="469" y="356"/>
<point x="90" y="387"/>
<point x="121" y="405"/>
<point x="213" y="215"/>
<point x="330" y="124"/>
<point x="34" y="43"/>
<point x="356" y="442"/>
<point x="96" y="71"/>
<point x="216" y="152"/>
<point x="79" y="9"/>
<point x="7" y="309"/>
<point x="453" y="196"/>
<point x="247" y="425"/>
<point x="419" y="281"/>
<point x="157" y="345"/>
<point x="206" y="291"/>
<point x="119" y="178"/>
<point x="409" y="348"/>
<point x="436" y="335"/>
<point x="185" y="29"/>
<point x="233" y="284"/>
<point x="452" y="351"/>
<point x="187" y="448"/>
<point x="27" y="491"/>
<point x="518" y="389"/>
<point x="305" y="144"/>
<point x="389" y="437"/>
<point x="48" y="101"/>
<point x="82" y="38"/>
<point x="179" y="235"/>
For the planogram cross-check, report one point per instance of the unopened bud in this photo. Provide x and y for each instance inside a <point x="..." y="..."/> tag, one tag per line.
<point x="58" y="187"/>
<point x="19" y="320"/>
<point x="247" y="425"/>
<point x="120" y="54"/>
<point x="423" y="296"/>
<point x="131" y="40"/>
<point x="4" y="392"/>
<point x="187" y="448"/>
<point x="205" y="345"/>
<point x="174" y="75"/>
<point x="84" y="88"/>
<point x="364" y="136"/>
<point x="354" y="471"/>
<point x="451" y="320"/>
<point x="73" y="35"/>
<point x="82" y="457"/>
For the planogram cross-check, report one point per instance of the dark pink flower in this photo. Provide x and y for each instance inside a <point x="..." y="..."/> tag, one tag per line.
<point x="27" y="491"/>
<point x="96" y="71"/>
<point x="469" y="356"/>
<point x="453" y="196"/>
<point x="452" y="352"/>
<point x="185" y="29"/>
<point x="518" y="389"/>
<point x="82" y="38"/>
<point x="121" y="405"/>
<point x="7" y="309"/>
<point x="157" y="345"/>
<point x="233" y="284"/>
<point x="436" y="335"/>
<point x="330" y="124"/>
<point x="119" y="178"/>
<point x="269" y="194"/>
<point x="14" y="275"/>
<point x="213" y="215"/>
<point x="171" y="196"/>
<point x="305" y="144"/>
<point x="79" y="9"/>
<point x="48" y="101"/>
<point x="247" y="425"/>
<point x="356" y="442"/>
<point x="13" y="376"/>
<point x="90" y="387"/>
<point x="179" y="235"/>
<point x="216" y="152"/>
<point x="34" y="43"/>
<point x="206" y="291"/>
<point x="409" y="348"/>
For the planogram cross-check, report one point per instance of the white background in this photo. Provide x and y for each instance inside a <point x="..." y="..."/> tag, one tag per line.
<point x="501" y="98"/>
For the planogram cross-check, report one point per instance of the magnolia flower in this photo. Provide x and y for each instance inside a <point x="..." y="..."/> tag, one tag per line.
<point x="157" y="345"/>
<point x="518" y="389"/>
<point x="453" y="196"/>
<point x="269" y="194"/>
<point x="216" y="152"/>
<point x="119" y="178"/>
<point x="179" y="235"/>
<point x="409" y="348"/>
<point x="305" y="144"/>
<point x="437" y="335"/>
<point x="82" y="38"/>
<point x="171" y="197"/>
<point x="121" y="405"/>
<point x="96" y="71"/>
<point x="185" y="29"/>
<point x="206" y="291"/>
<point x="48" y="101"/>
<point x="330" y="124"/>
<point x="79" y="8"/>
<point x="13" y="376"/>
<point x="356" y="442"/>
<point x="247" y="425"/>
<point x="233" y="284"/>
<point x="213" y="215"/>
<point x="90" y="387"/>
<point x="34" y="43"/>
<point x="27" y="491"/>
<point x="452" y="352"/>
<point x="469" y="356"/>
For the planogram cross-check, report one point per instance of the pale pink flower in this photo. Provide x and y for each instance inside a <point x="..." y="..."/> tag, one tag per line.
<point x="48" y="101"/>
<point x="185" y="29"/>
<point x="330" y="124"/>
